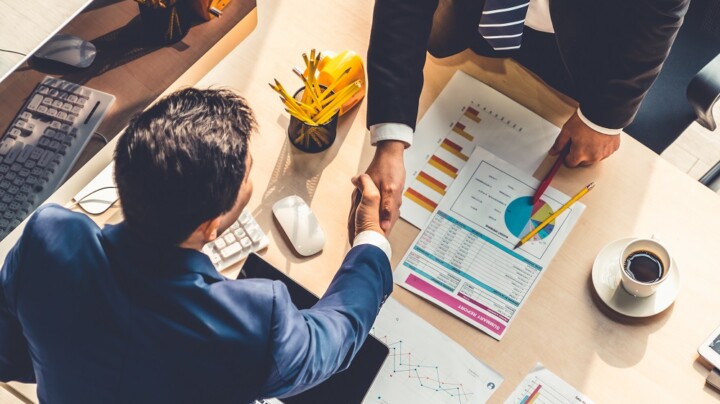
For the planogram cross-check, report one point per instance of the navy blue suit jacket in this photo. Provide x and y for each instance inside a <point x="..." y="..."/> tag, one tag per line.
<point x="94" y="315"/>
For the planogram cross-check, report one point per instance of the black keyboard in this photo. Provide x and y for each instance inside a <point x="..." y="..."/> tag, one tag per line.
<point x="42" y="143"/>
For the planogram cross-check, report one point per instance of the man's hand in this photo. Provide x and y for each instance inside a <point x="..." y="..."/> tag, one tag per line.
<point x="588" y="146"/>
<point x="365" y="212"/>
<point x="387" y="171"/>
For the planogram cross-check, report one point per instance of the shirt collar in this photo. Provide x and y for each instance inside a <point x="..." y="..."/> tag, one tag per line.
<point x="160" y="259"/>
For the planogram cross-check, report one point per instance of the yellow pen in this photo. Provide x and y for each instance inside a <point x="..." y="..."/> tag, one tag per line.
<point x="556" y="214"/>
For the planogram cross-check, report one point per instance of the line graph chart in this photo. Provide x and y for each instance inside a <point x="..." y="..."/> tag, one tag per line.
<point x="427" y="376"/>
<point x="424" y="365"/>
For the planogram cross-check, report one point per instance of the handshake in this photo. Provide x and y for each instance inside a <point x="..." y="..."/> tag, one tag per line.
<point x="365" y="210"/>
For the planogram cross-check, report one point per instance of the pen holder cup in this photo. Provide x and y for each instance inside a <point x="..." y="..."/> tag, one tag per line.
<point x="165" y="25"/>
<point x="312" y="138"/>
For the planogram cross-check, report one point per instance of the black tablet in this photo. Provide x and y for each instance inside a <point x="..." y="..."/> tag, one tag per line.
<point x="349" y="386"/>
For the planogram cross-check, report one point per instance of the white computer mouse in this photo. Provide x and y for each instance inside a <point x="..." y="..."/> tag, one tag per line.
<point x="300" y="225"/>
<point x="68" y="49"/>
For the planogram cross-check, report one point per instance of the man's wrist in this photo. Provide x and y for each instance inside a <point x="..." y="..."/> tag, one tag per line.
<point x="394" y="147"/>
<point x="391" y="131"/>
<point x="375" y="238"/>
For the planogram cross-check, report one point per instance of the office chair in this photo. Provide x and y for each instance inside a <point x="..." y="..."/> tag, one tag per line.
<point x="703" y="93"/>
<point x="688" y="86"/>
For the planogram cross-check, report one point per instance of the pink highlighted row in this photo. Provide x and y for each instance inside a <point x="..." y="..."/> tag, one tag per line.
<point x="455" y="304"/>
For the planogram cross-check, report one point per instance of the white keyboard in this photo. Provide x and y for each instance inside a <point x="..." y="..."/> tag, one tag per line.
<point x="234" y="245"/>
<point x="42" y="144"/>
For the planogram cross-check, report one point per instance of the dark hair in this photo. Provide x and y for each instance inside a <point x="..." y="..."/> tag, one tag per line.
<point x="182" y="161"/>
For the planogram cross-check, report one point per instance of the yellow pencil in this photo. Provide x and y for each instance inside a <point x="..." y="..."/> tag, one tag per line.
<point x="292" y="101"/>
<point x="556" y="214"/>
<point x="329" y="110"/>
<point x="312" y="79"/>
<point x="332" y="85"/>
<point x="297" y="112"/>
<point x="313" y="89"/>
<point x="305" y="95"/>
<point x="278" y="88"/>
<point x="323" y="96"/>
<point x="350" y="88"/>
<point x="309" y="89"/>
<point x="300" y="117"/>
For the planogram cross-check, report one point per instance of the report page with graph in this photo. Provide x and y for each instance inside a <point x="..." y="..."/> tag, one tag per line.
<point x="463" y="258"/>
<point x="425" y="365"/>
<point x="466" y="114"/>
<point x="542" y="386"/>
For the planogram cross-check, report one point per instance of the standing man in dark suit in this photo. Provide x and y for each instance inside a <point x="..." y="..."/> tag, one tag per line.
<point x="605" y="54"/>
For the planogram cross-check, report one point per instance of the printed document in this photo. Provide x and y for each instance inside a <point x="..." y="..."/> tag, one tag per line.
<point x="463" y="258"/>
<point x="466" y="114"/>
<point x="542" y="386"/>
<point x="425" y="365"/>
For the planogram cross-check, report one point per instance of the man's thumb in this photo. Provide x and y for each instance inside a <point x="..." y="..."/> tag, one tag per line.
<point x="370" y="193"/>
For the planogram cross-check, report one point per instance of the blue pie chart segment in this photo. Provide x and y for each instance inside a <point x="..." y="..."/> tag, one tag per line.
<point x="521" y="217"/>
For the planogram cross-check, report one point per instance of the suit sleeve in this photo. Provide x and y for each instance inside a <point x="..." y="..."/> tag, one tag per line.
<point x="614" y="50"/>
<point x="308" y="346"/>
<point x="396" y="57"/>
<point x="15" y="362"/>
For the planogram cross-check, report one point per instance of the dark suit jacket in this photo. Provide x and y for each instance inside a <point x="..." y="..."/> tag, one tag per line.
<point x="96" y="316"/>
<point x="612" y="49"/>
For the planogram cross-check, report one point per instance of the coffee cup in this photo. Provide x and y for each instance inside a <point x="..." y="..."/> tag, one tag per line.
<point x="645" y="264"/>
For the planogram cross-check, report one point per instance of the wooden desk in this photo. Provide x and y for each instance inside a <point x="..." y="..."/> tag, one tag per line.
<point x="26" y="25"/>
<point x="126" y="65"/>
<point x="609" y="358"/>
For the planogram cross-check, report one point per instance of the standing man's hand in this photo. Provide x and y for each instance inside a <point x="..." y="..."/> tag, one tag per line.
<point x="588" y="146"/>
<point x="365" y="212"/>
<point x="387" y="171"/>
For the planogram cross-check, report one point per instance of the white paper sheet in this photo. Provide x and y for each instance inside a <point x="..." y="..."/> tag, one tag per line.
<point x="424" y="365"/>
<point x="463" y="258"/>
<point x="542" y="386"/>
<point x="466" y="114"/>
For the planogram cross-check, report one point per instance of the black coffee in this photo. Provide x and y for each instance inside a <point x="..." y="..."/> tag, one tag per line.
<point x="644" y="266"/>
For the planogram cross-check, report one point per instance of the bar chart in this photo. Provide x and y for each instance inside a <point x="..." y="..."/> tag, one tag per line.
<point x="467" y="114"/>
<point x="541" y="386"/>
<point x="430" y="183"/>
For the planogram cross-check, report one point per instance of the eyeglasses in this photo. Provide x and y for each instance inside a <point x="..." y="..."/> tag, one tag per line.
<point x="98" y="201"/>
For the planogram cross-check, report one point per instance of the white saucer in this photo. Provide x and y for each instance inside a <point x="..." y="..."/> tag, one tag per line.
<point x="606" y="280"/>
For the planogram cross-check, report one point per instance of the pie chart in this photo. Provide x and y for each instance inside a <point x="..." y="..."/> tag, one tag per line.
<point x="521" y="217"/>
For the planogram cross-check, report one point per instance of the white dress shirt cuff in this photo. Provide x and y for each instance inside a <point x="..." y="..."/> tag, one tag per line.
<point x="376" y="239"/>
<point x="391" y="131"/>
<point x="598" y="128"/>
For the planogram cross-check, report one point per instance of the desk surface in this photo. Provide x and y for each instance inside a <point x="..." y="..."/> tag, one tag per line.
<point x="26" y="25"/>
<point x="606" y="356"/>
<point x="126" y="65"/>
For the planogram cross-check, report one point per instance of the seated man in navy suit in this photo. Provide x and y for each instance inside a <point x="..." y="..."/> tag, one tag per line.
<point x="137" y="313"/>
